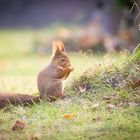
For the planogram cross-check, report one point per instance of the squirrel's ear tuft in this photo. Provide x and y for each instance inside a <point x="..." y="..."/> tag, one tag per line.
<point x="55" y="47"/>
<point x="58" y="47"/>
<point x="61" y="46"/>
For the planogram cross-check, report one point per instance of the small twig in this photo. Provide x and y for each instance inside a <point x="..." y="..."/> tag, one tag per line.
<point x="134" y="4"/>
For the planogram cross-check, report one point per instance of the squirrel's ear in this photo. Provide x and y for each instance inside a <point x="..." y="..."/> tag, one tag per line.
<point x="61" y="46"/>
<point x="55" y="48"/>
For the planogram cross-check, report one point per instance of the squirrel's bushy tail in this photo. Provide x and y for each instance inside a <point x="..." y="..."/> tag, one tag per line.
<point x="15" y="99"/>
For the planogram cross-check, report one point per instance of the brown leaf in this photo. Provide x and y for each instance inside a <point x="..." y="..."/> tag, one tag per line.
<point x="135" y="83"/>
<point x="19" y="125"/>
<point x="68" y="116"/>
<point x="82" y="89"/>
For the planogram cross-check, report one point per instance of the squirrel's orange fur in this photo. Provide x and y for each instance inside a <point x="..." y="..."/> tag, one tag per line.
<point x="49" y="80"/>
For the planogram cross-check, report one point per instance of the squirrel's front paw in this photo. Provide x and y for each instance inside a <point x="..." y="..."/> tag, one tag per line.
<point x="71" y="68"/>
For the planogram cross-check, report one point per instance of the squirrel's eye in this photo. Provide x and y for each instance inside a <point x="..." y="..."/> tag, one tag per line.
<point x="62" y="59"/>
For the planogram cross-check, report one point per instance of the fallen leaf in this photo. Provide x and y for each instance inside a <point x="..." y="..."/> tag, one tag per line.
<point x="19" y="125"/>
<point x="135" y="83"/>
<point x="82" y="89"/>
<point x="68" y="116"/>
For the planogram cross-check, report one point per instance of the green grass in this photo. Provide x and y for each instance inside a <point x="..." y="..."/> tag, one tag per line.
<point x="93" y="117"/>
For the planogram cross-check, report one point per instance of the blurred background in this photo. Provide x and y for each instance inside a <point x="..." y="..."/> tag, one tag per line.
<point x="27" y="28"/>
<point x="95" y="25"/>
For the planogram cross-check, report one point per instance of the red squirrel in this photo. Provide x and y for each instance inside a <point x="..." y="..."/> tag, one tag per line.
<point x="49" y="80"/>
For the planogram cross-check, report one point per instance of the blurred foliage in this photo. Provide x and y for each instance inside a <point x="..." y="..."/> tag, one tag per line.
<point x="124" y="3"/>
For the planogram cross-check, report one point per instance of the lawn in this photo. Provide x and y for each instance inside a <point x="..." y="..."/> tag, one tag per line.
<point x="92" y="114"/>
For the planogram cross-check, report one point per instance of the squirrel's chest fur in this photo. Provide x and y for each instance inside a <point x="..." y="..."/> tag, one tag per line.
<point x="48" y="84"/>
